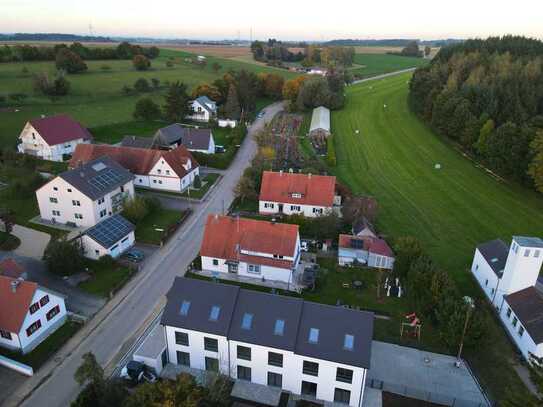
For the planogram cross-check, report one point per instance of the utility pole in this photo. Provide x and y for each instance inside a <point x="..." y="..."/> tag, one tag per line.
<point x="470" y="305"/>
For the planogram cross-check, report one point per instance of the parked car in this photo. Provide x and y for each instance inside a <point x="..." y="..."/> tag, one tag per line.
<point x="137" y="372"/>
<point x="304" y="245"/>
<point x="134" y="255"/>
<point x="219" y="149"/>
<point x="261" y="114"/>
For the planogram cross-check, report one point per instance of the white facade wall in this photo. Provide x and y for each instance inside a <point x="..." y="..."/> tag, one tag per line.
<point x="487" y="279"/>
<point x="94" y="251"/>
<point x="166" y="179"/>
<point x="201" y="114"/>
<point x="521" y="269"/>
<point x="32" y="143"/>
<point x="525" y="343"/>
<point x="380" y="261"/>
<point x="310" y="211"/>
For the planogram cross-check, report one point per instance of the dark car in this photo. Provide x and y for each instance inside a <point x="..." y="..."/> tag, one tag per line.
<point x="219" y="149"/>
<point x="137" y="372"/>
<point x="134" y="255"/>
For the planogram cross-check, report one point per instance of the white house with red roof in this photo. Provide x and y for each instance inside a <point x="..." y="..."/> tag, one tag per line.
<point x="250" y="248"/>
<point x="365" y="250"/>
<point x="52" y="138"/>
<point x="297" y="194"/>
<point x="29" y="313"/>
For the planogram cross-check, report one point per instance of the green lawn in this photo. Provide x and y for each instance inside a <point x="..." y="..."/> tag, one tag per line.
<point x="114" y="133"/>
<point x="159" y="219"/>
<point x="450" y="209"/>
<point x="207" y="182"/>
<point x="376" y="64"/>
<point x="106" y="278"/>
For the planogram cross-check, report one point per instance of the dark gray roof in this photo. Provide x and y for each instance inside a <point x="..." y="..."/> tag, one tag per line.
<point x="495" y="253"/>
<point x="204" y="101"/>
<point x="300" y="316"/>
<point x="202" y="296"/>
<point x="97" y="177"/>
<point x="333" y="324"/>
<point x="109" y="231"/>
<point x="527" y="305"/>
<point x="528" y="241"/>
<point x="168" y="135"/>
<point x="191" y="138"/>
<point x="266" y="310"/>
<point x="138" y="142"/>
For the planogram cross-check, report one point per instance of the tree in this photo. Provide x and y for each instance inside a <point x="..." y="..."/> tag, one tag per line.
<point x="155" y="82"/>
<point x="210" y="91"/>
<point x="535" y="169"/>
<point x="232" y="108"/>
<point x="411" y="49"/>
<point x="147" y="109"/>
<point x="63" y="257"/>
<point x="137" y="208"/>
<point x="69" y="61"/>
<point x="216" y="67"/>
<point x="357" y="207"/>
<point x="142" y="85"/>
<point x="197" y="183"/>
<point x="141" y="63"/>
<point x="89" y="370"/>
<point x="291" y="88"/>
<point x="176" y="107"/>
<point x="245" y="189"/>
<point x="407" y="249"/>
<point x="59" y="86"/>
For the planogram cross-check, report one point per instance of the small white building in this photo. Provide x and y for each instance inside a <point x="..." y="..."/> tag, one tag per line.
<point x="171" y="170"/>
<point x="110" y="237"/>
<point x="320" y="122"/>
<point x="318" y="351"/>
<point x="87" y="194"/>
<point x="203" y="109"/>
<point x="28" y="314"/>
<point x="250" y="248"/>
<point x="298" y="194"/>
<point x="52" y="138"/>
<point x="193" y="139"/>
<point x="365" y="250"/>
<point x="508" y="278"/>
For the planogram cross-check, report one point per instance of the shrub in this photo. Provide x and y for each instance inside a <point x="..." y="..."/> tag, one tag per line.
<point x="142" y="85"/>
<point x="127" y="90"/>
<point x="146" y="109"/>
<point x="141" y="63"/>
<point x="59" y="86"/>
<point x="69" y="61"/>
<point x="63" y="257"/>
<point x="169" y="64"/>
<point x="155" y="82"/>
<point x="138" y="208"/>
<point x="331" y="152"/>
<point x="197" y="182"/>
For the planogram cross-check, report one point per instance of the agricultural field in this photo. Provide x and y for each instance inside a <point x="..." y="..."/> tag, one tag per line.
<point x="367" y="65"/>
<point x="97" y="98"/>
<point x="219" y="51"/>
<point x="428" y="189"/>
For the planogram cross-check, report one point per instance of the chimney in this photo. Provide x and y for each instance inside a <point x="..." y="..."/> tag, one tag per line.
<point x="14" y="285"/>
<point x="280" y="172"/>
<point x="309" y="175"/>
<point x="216" y="216"/>
<point x="290" y="170"/>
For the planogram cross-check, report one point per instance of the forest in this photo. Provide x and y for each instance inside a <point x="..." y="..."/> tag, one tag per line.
<point x="487" y="95"/>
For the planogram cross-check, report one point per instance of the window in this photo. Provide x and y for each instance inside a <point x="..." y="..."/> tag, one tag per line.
<point x="476" y="267"/>
<point x="69" y="189"/>
<point x="183" y="358"/>
<point x="55" y="189"/>
<point x="33" y="328"/>
<point x="486" y="282"/>
<point x="185" y="306"/>
<point x="244" y="373"/>
<point x="215" y="262"/>
<point x="247" y="321"/>
<point x="311" y="368"/>
<point x="317" y="210"/>
<point x="34" y="307"/>
<point x="536" y="253"/>
<point x="97" y="252"/>
<point x="103" y="213"/>
<point x="309" y="389"/>
<point x="348" y="342"/>
<point x="279" y="328"/>
<point x="182" y="338"/>
<point x="5" y="334"/>
<point x="122" y="188"/>
<point x="159" y="170"/>
<point x="521" y="331"/>
<point x="492" y="291"/>
<point x="254" y="269"/>
<point x="211" y="344"/>
<point x="53" y="200"/>
<point x="53" y="312"/>
<point x="78" y="216"/>
<point x="214" y="313"/>
<point x="344" y="375"/>
<point x="527" y="253"/>
<point x="44" y="300"/>
<point x="154" y="181"/>
<point x="296" y="195"/>
<point x="515" y="320"/>
<point x="33" y="136"/>
<point x="124" y="240"/>
<point x="113" y="248"/>
<point x="167" y="172"/>
<point x="342" y="396"/>
<point x="160" y="182"/>
<point x="295" y="208"/>
<point x="244" y="352"/>
<point x="275" y="359"/>
<point x="275" y="379"/>
<point x="212" y="364"/>
<point x="515" y="247"/>
<point x="269" y="205"/>
<point x="56" y="213"/>
<point x="101" y="201"/>
<point x="76" y="203"/>
<point x="313" y="335"/>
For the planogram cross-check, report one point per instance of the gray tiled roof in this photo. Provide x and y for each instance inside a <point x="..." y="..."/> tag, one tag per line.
<point x="138" y="142"/>
<point x="109" y="231"/>
<point x="527" y="305"/>
<point x="300" y="316"/>
<point x="97" y="177"/>
<point x="192" y="139"/>
<point x="495" y="253"/>
<point x="205" y="101"/>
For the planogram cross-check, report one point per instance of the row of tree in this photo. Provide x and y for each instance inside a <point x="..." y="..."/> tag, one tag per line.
<point x="125" y="50"/>
<point x="487" y="95"/>
<point x="328" y="56"/>
<point x="274" y="51"/>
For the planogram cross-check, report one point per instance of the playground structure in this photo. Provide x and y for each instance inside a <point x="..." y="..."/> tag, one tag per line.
<point x="412" y="328"/>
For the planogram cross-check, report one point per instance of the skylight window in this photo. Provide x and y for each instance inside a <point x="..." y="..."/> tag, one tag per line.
<point x="214" y="313"/>
<point x="185" y="305"/>
<point x="313" y="335"/>
<point x="279" y="328"/>
<point x="348" y="342"/>
<point x="247" y="321"/>
<point x="494" y="260"/>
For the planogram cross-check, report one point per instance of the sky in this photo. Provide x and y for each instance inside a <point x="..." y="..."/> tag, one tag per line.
<point x="283" y="19"/>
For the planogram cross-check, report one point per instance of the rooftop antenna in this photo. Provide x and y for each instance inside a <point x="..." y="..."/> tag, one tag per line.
<point x="91" y="31"/>
<point x="238" y="36"/>
<point x="251" y="35"/>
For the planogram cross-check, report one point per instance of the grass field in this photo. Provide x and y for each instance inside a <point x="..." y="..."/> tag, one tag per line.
<point x="450" y="209"/>
<point x="373" y="64"/>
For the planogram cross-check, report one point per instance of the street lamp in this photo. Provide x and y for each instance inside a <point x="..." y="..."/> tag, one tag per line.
<point x="470" y="305"/>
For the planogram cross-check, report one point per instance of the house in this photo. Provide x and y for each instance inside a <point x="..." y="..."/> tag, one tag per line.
<point x="292" y="194"/>
<point x="508" y="277"/>
<point x="52" y="138"/>
<point x="137" y="142"/>
<point x="363" y="227"/>
<point x="203" y="109"/>
<point x="10" y="268"/>
<point x="320" y="352"/>
<point x="87" y="194"/>
<point x="320" y="123"/>
<point x="110" y="237"/>
<point x="365" y="250"/>
<point x="250" y="248"/>
<point x="172" y="170"/>
<point x="29" y="313"/>
<point x="199" y="140"/>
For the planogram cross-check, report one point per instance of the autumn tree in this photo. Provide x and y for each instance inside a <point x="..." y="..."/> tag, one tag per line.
<point x="141" y="62"/>
<point x="291" y="88"/>
<point x="245" y="189"/>
<point x="69" y="61"/>
<point x="177" y="106"/>
<point x="210" y="91"/>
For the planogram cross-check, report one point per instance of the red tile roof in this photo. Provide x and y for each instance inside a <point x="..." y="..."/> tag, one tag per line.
<point x="136" y="160"/>
<point x="14" y="305"/>
<point x="10" y="268"/>
<point x="371" y="244"/>
<point x="225" y="237"/>
<point x="60" y="129"/>
<point x="317" y="190"/>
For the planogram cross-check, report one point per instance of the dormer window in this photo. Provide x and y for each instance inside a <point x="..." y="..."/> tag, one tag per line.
<point x="527" y="253"/>
<point x="214" y="313"/>
<point x="313" y="335"/>
<point x="296" y="195"/>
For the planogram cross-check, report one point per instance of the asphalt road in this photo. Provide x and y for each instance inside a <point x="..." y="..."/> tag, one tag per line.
<point x="118" y="322"/>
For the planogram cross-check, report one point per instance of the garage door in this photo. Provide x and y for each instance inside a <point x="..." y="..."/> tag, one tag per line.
<point x="125" y="244"/>
<point x="115" y="251"/>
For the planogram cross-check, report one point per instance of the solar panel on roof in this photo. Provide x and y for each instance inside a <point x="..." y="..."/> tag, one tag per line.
<point x="105" y="179"/>
<point x="110" y="231"/>
<point x="357" y="244"/>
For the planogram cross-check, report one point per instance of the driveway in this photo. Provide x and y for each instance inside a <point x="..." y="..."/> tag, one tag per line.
<point x="170" y="202"/>
<point x="33" y="243"/>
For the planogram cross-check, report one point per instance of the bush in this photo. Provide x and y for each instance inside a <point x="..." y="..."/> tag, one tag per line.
<point x="59" y="86"/>
<point x="169" y="64"/>
<point x="141" y="63"/>
<point x="138" y="208"/>
<point x="155" y="82"/>
<point x="146" y="109"/>
<point x="197" y="182"/>
<point x="142" y="85"/>
<point x="127" y="90"/>
<point x="331" y="152"/>
<point x="63" y="257"/>
<point x="69" y="61"/>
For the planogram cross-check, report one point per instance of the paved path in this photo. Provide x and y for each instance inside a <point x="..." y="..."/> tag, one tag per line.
<point x="134" y="305"/>
<point x="383" y="76"/>
<point x="33" y="243"/>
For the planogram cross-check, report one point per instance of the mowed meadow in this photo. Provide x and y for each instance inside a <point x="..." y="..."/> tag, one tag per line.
<point x="384" y="150"/>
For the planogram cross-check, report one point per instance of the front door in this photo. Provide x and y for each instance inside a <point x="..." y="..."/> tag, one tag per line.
<point x="232" y="268"/>
<point x="280" y="208"/>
